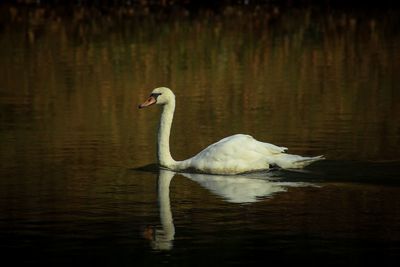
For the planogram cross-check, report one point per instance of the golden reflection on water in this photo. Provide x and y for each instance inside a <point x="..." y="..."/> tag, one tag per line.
<point x="316" y="83"/>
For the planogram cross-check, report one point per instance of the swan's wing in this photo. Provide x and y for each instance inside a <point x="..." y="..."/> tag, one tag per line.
<point x="244" y="143"/>
<point x="242" y="188"/>
<point x="235" y="154"/>
<point x="238" y="188"/>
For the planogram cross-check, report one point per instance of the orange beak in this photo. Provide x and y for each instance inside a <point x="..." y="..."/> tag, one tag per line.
<point x="150" y="101"/>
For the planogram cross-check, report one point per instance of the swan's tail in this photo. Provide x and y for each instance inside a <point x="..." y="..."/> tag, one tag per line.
<point x="289" y="161"/>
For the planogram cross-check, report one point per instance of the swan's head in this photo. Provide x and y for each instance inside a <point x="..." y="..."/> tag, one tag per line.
<point x="160" y="95"/>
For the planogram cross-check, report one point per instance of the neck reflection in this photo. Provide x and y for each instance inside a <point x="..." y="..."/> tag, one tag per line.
<point x="239" y="189"/>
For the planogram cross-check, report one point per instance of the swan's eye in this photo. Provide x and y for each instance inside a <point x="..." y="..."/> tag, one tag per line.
<point x="155" y="95"/>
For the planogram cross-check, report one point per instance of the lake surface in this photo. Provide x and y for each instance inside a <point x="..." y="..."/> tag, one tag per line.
<point x="73" y="186"/>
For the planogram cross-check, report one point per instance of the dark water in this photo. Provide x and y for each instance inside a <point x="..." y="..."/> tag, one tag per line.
<point x="72" y="139"/>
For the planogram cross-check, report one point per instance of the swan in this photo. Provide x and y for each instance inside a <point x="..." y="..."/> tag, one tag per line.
<point x="162" y="239"/>
<point x="244" y="189"/>
<point x="235" y="154"/>
<point x="238" y="189"/>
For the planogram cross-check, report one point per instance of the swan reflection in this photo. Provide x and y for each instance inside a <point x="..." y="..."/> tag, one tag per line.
<point x="243" y="188"/>
<point x="162" y="239"/>
<point x="234" y="189"/>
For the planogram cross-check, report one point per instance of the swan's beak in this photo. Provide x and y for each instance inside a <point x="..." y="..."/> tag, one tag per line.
<point x="150" y="101"/>
<point x="149" y="233"/>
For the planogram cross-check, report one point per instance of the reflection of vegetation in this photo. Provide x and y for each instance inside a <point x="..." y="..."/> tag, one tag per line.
<point x="301" y="78"/>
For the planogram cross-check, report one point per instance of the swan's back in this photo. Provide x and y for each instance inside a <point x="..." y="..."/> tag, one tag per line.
<point x="234" y="154"/>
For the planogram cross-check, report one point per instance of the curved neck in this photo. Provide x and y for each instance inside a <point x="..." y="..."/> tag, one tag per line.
<point x="164" y="155"/>
<point x="167" y="223"/>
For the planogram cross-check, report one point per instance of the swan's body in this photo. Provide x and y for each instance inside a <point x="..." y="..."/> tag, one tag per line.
<point x="234" y="189"/>
<point x="244" y="188"/>
<point x="232" y="155"/>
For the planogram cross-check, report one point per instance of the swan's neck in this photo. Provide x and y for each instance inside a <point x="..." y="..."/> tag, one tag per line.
<point x="165" y="206"/>
<point x="164" y="155"/>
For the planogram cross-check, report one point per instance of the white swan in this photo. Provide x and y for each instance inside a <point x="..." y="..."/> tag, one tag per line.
<point x="238" y="189"/>
<point x="232" y="155"/>
<point x="162" y="239"/>
<point x="243" y="188"/>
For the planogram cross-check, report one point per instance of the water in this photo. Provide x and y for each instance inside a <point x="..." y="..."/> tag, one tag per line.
<point x="73" y="189"/>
